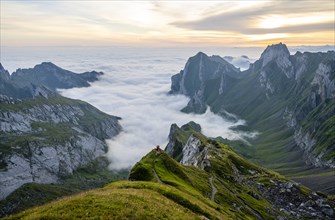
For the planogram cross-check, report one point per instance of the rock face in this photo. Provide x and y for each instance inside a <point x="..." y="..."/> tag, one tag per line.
<point x="175" y="145"/>
<point x="234" y="176"/>
<point x="22" y="82"/>
<point x="4" y="74"/>
<point x="279" y="54"/>
<point x="289" y="97"/>
<point x="48" y="138"/>
<point x="45" y="136"/>
<point x="199" y="70"/>
<point x="190" y="151"/>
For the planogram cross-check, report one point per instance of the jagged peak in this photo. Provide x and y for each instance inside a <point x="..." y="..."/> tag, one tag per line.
<point x="174" y="127"/>
<point x="219" y="59"/>
<point x="1" y="67"/>
<point x="47" y="65"/>
<point x="194" y="126"/>
<point x="189" y="126"/>
<point x="199" y="54"/>
<point x="4" y="74"/>
<point x="43" y="66"/>
<point x="274" y="51"/>
<point x="277" y="47"/>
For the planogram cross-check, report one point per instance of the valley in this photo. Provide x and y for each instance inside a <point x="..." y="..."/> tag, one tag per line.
<point x="277" y="114"/>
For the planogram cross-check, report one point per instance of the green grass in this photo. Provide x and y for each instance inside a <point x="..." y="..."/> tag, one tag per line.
<point x="195" y="182"/>
<point x="275" y="146"/>
<point x="94" y="175"/>
<point x="162" y="188"/>
<point x="125" y="200"/>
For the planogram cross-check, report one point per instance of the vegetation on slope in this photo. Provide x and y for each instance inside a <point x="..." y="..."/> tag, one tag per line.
<point x="55" y="122"/>
<point x="125" y="200"/>
<point x="293" y="115"/>
<point x="47" y="131"/>
<point x="222" y="185"/>
<point x="240" y="184"/>
<point x="175" y="191"/>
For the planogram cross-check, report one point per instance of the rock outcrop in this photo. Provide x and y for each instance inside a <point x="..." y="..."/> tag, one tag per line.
<point x="241" y="182"/>
<point x="198" y="71"/>
<point x="45" y="139"/>
<point x="44" y="136"/>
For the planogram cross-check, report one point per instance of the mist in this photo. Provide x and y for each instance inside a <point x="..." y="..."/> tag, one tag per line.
<point x="147" y="113"/>
<point x="135" y="87"/>
<point x="136" y="90"/>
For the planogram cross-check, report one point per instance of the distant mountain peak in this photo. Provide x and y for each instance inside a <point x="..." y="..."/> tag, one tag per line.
<point x="273" y="52"/>
<point x="4" y="75"/>
<point x="219" y="59"/>
<point x="1" y="68"/>
<point x="279" y="54"/>
<point x="47" y="65"/>
<point x="199" y="54"/>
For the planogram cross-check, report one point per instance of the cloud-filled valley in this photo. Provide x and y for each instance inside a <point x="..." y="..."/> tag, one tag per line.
<point x="135" y="87"/>
<point x="137" y="92"/>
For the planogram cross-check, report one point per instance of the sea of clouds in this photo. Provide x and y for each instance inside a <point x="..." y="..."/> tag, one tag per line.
<point x="134" y="87"/>
<point x="136" y="90"/>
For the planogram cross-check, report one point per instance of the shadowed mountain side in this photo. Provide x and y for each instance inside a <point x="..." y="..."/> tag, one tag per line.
<point x="288" y="99"/>
<point x="22" y="82"/>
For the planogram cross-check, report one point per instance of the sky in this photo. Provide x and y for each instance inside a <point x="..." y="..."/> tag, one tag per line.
<point x="166" y="23"/>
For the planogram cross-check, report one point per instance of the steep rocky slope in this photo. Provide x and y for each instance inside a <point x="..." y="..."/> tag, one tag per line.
<point x="239" y="177"/>
<point x="289" y="99"/>
<point x="198" y="70"/>
<point x="45" y="138"/>
<point x="211" y="182"/>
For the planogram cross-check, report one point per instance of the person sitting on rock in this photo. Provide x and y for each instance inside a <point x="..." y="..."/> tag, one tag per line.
<point x="158" y="148"/>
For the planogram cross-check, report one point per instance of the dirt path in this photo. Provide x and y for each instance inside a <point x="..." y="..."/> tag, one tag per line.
<point x="157" y="177"/>
<point x="214" y="189"/>
<point x="254" y="212"/>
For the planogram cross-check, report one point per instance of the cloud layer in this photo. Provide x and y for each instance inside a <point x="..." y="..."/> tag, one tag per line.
<point x="134" y="87"/>
<point x="136" y="90"/>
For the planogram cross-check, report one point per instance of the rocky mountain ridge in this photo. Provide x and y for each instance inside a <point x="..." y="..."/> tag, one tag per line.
<point x="198" y="70"/>
<point x="279" y="89"/>
<point x="23" y="82"/>
<point x="44" y="136"/>
<point x="218" y="185"/>
<point x="286" y="196"/>
<point x="43" y="140"/>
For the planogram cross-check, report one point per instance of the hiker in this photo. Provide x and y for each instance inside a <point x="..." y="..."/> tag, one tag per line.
<point x="158" y="148"/>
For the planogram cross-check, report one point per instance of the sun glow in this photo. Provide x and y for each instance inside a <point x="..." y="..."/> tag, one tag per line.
<point x="276" y="21"/>
<point x="94" y="23"/>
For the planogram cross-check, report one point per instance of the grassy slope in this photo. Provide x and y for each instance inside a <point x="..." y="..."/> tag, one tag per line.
<point x="125" y="200"/>
<point x="197" y="182"/>
<point x="164" y="189"/>
<point x="183" y="195"/>
<point x="275" y="147"/>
